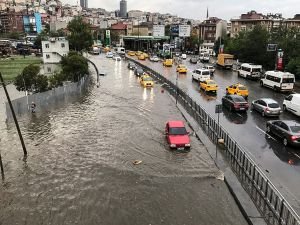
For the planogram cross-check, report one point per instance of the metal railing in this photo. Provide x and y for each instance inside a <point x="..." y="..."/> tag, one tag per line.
<point x="268" y="200"/>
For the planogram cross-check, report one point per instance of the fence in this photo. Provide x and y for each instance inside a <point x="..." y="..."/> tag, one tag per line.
<point x="271" y="204"/>
<point x="47" y="99"/>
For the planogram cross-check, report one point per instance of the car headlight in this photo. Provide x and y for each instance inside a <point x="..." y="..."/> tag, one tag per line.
<point x="172" y="145"/>
<point x="187" y="145"/>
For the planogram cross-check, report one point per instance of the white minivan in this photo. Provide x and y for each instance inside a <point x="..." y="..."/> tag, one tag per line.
<point x="201" y="75"/>
<point x="279" y="81"/>
<point x="250" y="71"/>
<point x="292" y="103"/>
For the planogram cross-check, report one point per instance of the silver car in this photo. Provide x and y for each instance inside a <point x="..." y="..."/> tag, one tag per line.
<point x="266" y="106"/>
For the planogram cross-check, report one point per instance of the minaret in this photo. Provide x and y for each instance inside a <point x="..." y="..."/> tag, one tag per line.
<point x="207" y="13"/>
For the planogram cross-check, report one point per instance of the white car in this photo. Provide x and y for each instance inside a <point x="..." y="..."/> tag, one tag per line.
<point x="210" y="68"/>
<point x="201" y="75"/>
<point x="117" y="58"/>
<point x="154" y="58"/>
<point x="183" y="56"/>
<point x="109" y="55"/>
<point x="292" y="103"/>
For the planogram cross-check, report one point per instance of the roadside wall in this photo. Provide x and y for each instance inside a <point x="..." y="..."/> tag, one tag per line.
<point x="47" y="99"/>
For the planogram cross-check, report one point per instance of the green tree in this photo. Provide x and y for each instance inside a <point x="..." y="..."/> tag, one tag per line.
<point x="56" y="80"/>
<point x="294" y="67"/>
<point x="74" y="66"/>
<point x="30" y="80"/>
<point x="80" y="37"/>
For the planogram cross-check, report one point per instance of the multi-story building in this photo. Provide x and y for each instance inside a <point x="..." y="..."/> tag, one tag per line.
<point x="11" y="21"/>
<point x="53" y="50"/>
<point x="207" y="33"/>
<point x="32" y="23"/>
<point x="249" y="20"/>
<point x="123" y="9"/>
<point x="293" y="22"/>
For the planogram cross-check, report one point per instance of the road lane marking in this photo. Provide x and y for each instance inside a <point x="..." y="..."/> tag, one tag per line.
<point x="269" y="136"/>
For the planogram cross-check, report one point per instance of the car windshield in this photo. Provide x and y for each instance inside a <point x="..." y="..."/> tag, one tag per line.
<point x="295" y="129"/>
<point x="177" y="131"/>
<point x="211" y="82"/>
<point x="287" y="80"/>
<point x="140" y="71"/>
<point x="242" y="88"/>
<point x="273" y="105"/>
<point x="238" y="99"/>
<point x="147" y="79"/>
<point x="205" y="73"/>
<point x="210" y="67"/>
<point x="256" y="70"/>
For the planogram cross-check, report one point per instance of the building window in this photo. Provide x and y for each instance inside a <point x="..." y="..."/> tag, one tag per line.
<point x="49" y="69"/>
<point x="62" y="45"/>
<point x="47" y="45"/>
<point x="47" y="56"/>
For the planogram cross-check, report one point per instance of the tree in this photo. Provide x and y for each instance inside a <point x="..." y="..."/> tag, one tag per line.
<point x="30" y="80"/>
<point x="294" y="67"/>
<point x="74" y="66"/>
<point x="80" y="37"/>
<point x="56" y="80"/>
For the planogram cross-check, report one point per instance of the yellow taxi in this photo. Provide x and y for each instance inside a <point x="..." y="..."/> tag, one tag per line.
<point x="181" y="68"/>
<point x="141" y="57"/>
<point x="237" y="89"/>
<point x="138" y="53"/>
<point x="209" y="85"/>
<point x="146" y="81"/>
<point x="146" y="55"/>
<point x="131" y="53"/>
<point x="106" y="49"/>
<point x="168" y="62"/>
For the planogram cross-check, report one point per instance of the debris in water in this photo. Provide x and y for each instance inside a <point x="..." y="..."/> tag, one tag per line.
<point x="137" y="162"/>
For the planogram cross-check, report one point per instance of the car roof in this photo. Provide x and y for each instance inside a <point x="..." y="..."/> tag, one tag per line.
<point x="268" y="100"/>
<point x="202" y="70"/>
<point x="176" y="123"/>
<point x="290" y="122"/>
<point x="181" y="65"/>
<point x="238" y="97"/>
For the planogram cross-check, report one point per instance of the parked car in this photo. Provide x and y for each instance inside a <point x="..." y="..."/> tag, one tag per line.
<point x="201" y="75"/>
<point x="237" y="89"/>
<point x="266" y="106"/>
<point x="146" y="81"/>
<point x="131" y="53"/>
<point x="181" y="68"/>
<point x="177" y="135"/>
<point x="131" y="66"/>
<point x="210" y="68"/>
<point x="209" y="85"/>
<point x="194" y="60"/>
<point x="287" y="130"/>
<point x="235" y="103"/>
<point x="109" y="55"/>
<point x="138" y="71"/>
<point x="292" y="103"/>
<point x="154" y="58"/>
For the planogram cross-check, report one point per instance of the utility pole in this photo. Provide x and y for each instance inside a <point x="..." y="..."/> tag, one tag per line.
<point x="14" y="115"/>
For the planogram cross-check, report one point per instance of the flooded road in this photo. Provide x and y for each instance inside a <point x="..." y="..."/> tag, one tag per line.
<point x="80" y="171"/>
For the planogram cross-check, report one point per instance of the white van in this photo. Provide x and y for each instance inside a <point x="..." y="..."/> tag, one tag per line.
<point x="183" y="56"/>
<point x="201" y="75"/>
<point x="204" y="57"/>
<point x="292" y="103"/>
<point x="120" y="51"/>
<point x="250" y="71"/>
<point x="279" y="81"/>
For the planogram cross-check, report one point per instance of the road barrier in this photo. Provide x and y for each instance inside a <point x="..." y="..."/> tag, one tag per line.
<point x="268" y="200"/>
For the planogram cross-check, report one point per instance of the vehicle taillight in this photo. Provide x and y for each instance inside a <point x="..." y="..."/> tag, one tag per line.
<point x="293" y="138"/>
<point x="236" y="105"/>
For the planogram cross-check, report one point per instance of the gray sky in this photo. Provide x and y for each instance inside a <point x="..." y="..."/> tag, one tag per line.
<point x="196" y="9"/>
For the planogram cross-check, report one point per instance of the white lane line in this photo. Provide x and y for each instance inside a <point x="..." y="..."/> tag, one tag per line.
<point x="296" y="155"/>
<point x="269" y="136"/>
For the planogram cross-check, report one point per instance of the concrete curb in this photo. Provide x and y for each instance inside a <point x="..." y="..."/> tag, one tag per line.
<point x="243" y="200"/>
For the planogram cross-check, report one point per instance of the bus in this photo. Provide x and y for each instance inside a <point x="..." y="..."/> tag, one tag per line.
<point x="250" y="71"/>
<point x="278" y="81"/>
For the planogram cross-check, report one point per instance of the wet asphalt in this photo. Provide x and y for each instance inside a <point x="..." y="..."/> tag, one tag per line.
<point x="80" y="165"/>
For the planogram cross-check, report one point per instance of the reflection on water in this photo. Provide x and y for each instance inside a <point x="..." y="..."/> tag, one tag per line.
<point x="80" y="170"/>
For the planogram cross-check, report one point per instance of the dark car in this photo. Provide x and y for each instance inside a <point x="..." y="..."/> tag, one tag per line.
<point x="266" y="106"/>
<point x="235" y="103"/>
<point x="287" y="130"/>
<point x="193" y="60"/>
<point x="131" y="66"/>
<point x="138" y="71"/>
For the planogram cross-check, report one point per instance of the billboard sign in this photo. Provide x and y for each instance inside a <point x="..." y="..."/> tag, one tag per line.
<point x="158" y="30"/>
<point x="174" y="29"/>
<point x="279" y="60"/>
<point x="184" y="30"/>
<point x="107" y="33"/>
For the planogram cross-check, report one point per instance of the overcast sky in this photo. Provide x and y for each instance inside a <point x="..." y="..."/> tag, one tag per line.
<point x="196" y="9"/>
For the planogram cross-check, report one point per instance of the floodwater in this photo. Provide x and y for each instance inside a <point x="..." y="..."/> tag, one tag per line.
<point x="80" y="165"/>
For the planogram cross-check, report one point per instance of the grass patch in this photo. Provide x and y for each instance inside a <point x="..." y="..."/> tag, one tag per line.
<point x="13" y="66"/>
